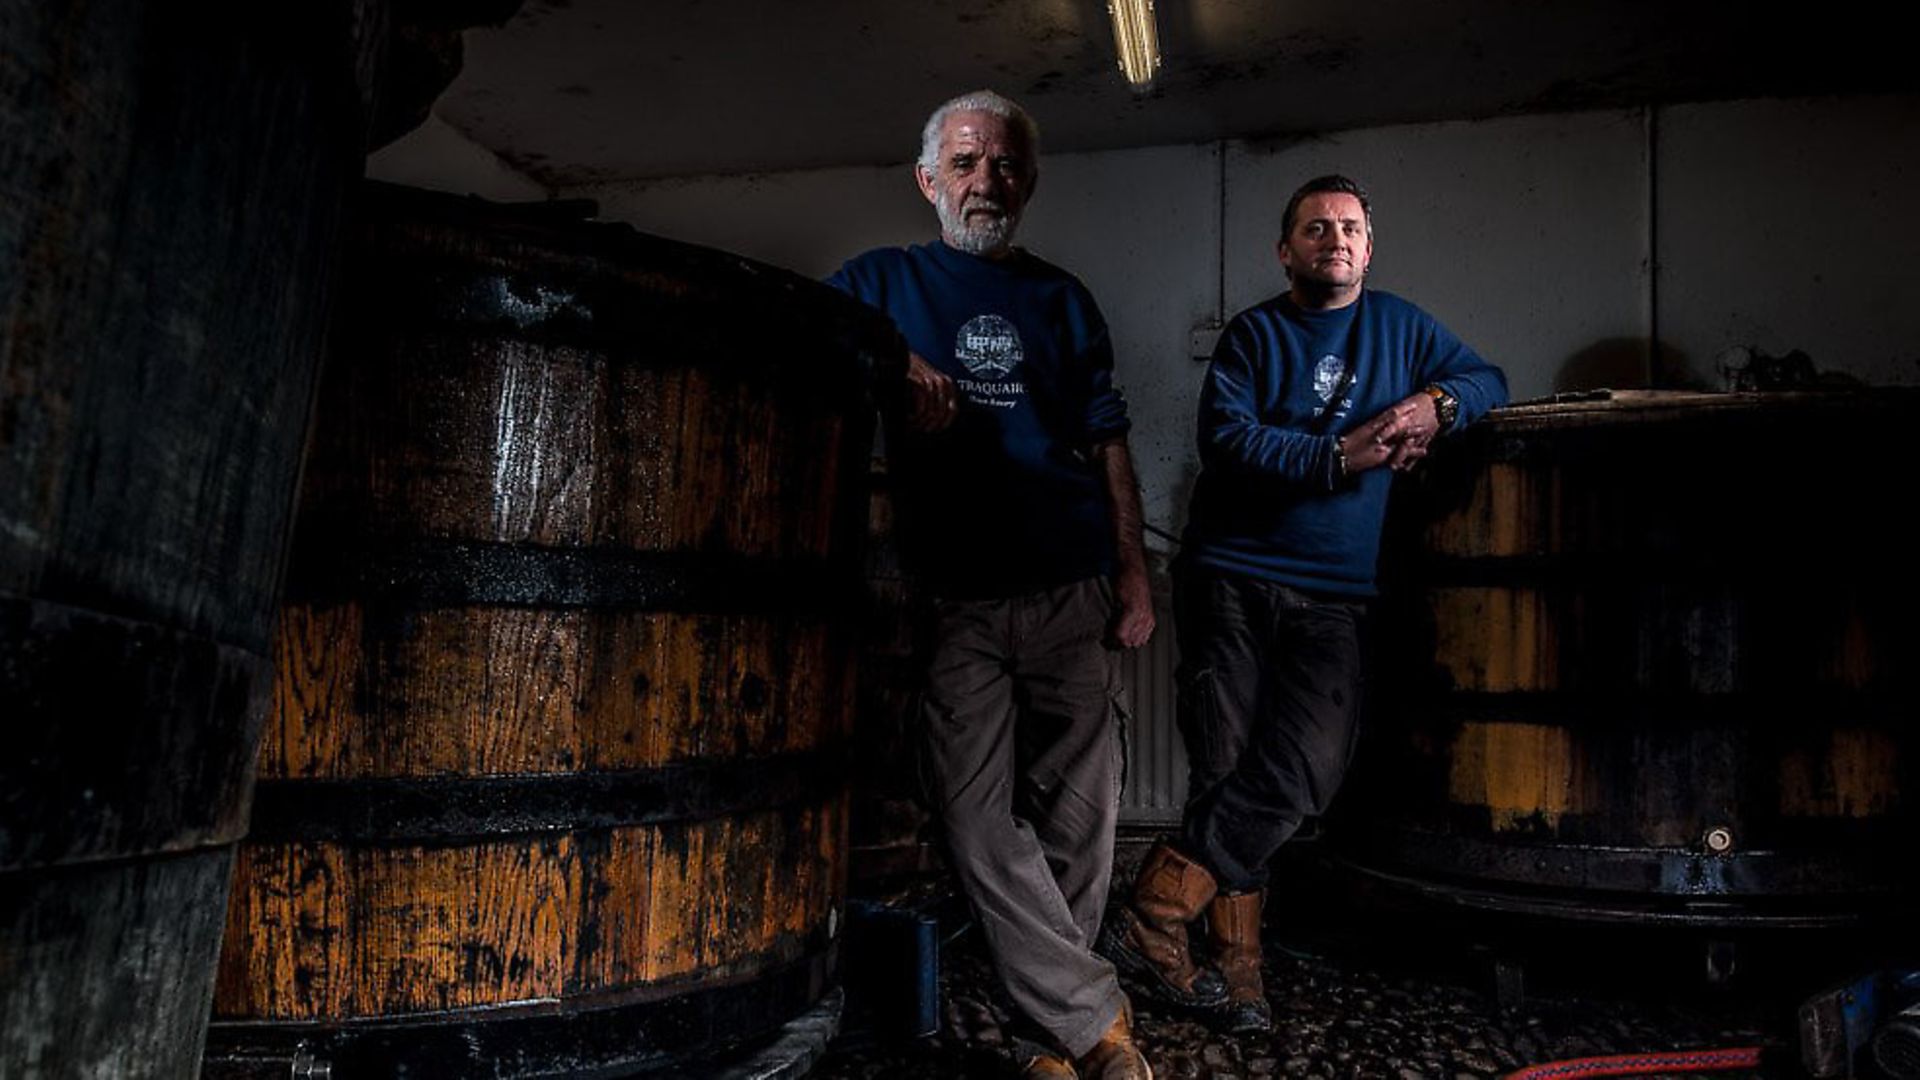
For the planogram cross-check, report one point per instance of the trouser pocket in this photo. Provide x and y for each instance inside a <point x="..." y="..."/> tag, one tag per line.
<point x="1122" y="711"/>
<point x="1197" y="712"/>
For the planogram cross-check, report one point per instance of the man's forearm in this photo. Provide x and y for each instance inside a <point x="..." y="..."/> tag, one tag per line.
<point x="1123" y="498"/>
<point x="1133" y="622"/>
<point x="1471" y="380"/>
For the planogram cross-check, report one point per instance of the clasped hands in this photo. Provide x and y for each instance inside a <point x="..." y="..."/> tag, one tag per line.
<point x="1397" y="437"/>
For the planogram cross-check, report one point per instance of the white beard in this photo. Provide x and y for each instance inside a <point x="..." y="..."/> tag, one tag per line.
<point x="985" y="236"/>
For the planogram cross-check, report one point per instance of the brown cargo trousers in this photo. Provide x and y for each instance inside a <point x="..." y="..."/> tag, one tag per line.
<point x="1025" y="758"/>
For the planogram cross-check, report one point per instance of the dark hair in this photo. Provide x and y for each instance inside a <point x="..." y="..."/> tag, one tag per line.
<point x="1333" y="182"/>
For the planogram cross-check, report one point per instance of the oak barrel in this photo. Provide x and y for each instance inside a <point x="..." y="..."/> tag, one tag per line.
<point x="171" y="180"/>
<point x="1650" y="659"/>
<point x="555" y="779"/>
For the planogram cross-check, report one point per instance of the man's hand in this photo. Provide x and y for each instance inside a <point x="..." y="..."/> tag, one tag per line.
<point x="1133" y="623"/>
<point x="932" y="399"/>
<point x="1406" y="453"/>
<point x="1397" y="437"/>
<point x="1416" y="418"/>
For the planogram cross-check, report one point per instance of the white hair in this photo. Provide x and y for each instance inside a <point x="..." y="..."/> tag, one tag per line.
<point x="985" y="101"/>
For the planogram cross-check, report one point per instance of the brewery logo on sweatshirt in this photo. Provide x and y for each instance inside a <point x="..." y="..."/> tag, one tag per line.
<point x="989" y="348"/>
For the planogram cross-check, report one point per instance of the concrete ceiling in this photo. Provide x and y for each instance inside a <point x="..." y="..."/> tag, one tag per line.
<point x="582" y="91"/>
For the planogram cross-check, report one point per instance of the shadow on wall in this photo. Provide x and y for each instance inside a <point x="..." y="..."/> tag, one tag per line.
<point x="1163" y="548"/>
<point x="1622" y="363"/>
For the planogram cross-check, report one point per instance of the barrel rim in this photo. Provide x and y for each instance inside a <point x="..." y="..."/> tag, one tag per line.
<point x="1637" y="406"/>
<point x="1623" y="908"/>
<point x="1514" y="867"/>
<point x="644" y="1027"/>
<point x="618" y="266"/>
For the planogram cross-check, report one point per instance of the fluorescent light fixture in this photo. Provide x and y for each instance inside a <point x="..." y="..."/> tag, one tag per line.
<point x="1136" y="40"/>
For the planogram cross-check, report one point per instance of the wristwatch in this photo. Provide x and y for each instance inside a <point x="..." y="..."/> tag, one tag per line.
<point x="1445" y="406"/>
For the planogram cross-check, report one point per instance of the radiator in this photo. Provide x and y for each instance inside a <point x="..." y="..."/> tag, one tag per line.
<point x="1156" y="762"/>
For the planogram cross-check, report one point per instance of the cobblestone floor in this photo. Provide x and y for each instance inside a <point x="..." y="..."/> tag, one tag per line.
<point x="1366" y="1001"/>
<point x="1332" y="1020"/>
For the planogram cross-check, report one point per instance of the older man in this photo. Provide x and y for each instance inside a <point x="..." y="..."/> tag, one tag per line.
<point x="1312" y="400"/>
<point x="1019" y="515"/>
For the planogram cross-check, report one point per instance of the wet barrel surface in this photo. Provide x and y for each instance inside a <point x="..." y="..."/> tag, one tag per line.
<point x="1648" y="659"/>
<point x="555" y="780"/>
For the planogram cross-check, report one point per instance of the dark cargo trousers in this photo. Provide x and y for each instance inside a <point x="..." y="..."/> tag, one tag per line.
<point x="1025" y="758"/>
<point x="1269" y="694"/>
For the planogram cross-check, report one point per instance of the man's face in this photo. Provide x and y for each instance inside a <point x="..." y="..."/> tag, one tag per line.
<point x="980" y="183"/>
<point x="1330" y="243"/>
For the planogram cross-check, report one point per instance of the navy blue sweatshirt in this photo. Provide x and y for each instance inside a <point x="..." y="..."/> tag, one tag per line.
<point x="1267" y="503"/>
<point x="1006" y="500"/>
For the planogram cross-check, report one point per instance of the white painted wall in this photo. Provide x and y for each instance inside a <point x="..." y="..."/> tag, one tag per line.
<point x="1142" y="229"/>
<point x="436" y="156"/>
<point x="1792" y="225"/>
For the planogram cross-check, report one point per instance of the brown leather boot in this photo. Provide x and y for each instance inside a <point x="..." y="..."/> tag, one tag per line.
<point x="1045" y="1066"/>
<point x="1115" y="1056"/>
<point x="1233" y="923"/>
<point x="1147" y="937"/>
